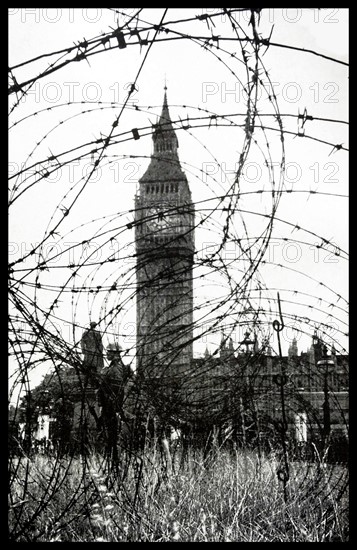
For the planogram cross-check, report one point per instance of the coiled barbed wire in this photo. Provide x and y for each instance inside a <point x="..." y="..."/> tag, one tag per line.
<point x="82" y="268"/>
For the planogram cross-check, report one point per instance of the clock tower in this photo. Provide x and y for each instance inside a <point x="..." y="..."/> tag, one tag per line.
<point x="164" y="239"/>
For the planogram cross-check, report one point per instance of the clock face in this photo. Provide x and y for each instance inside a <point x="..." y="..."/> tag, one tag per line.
<point x="159" y="219"/>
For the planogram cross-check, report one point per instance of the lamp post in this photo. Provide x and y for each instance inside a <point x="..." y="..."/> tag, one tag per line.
<point x="325" y="365"/>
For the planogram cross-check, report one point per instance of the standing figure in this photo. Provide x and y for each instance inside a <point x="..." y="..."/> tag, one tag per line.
<point x="92" y="349"/>
<point x="111" y="398"/>
<point x="86" y="409"/>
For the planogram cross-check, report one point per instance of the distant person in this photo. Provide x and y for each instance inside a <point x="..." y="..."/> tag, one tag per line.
<point x="92" y="349"/>
<point x="111" y="397"/>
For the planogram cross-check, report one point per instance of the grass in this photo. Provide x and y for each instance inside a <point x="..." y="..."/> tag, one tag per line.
<point x="227" y="497"/>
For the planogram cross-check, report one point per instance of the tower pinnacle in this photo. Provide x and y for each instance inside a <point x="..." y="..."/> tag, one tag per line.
<point x="164" y="136"/>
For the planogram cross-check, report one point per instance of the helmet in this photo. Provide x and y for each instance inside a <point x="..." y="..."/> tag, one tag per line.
<point x="114" y="346"/>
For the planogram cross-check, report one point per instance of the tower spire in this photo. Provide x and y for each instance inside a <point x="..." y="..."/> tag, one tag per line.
<point x="164" y="136"/>
<point x="165" y="165"/>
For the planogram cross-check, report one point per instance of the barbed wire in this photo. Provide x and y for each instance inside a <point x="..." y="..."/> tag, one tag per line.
<point x="223" y="289"/>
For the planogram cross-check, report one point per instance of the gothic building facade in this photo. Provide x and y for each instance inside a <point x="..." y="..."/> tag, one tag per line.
<point x="247" y="386"/>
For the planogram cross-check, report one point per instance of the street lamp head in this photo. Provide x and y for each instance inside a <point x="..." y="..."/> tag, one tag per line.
<point x="325" y="362"/>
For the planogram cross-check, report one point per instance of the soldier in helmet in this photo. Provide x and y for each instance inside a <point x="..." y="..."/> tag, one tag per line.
<point x="116" y="368"/>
